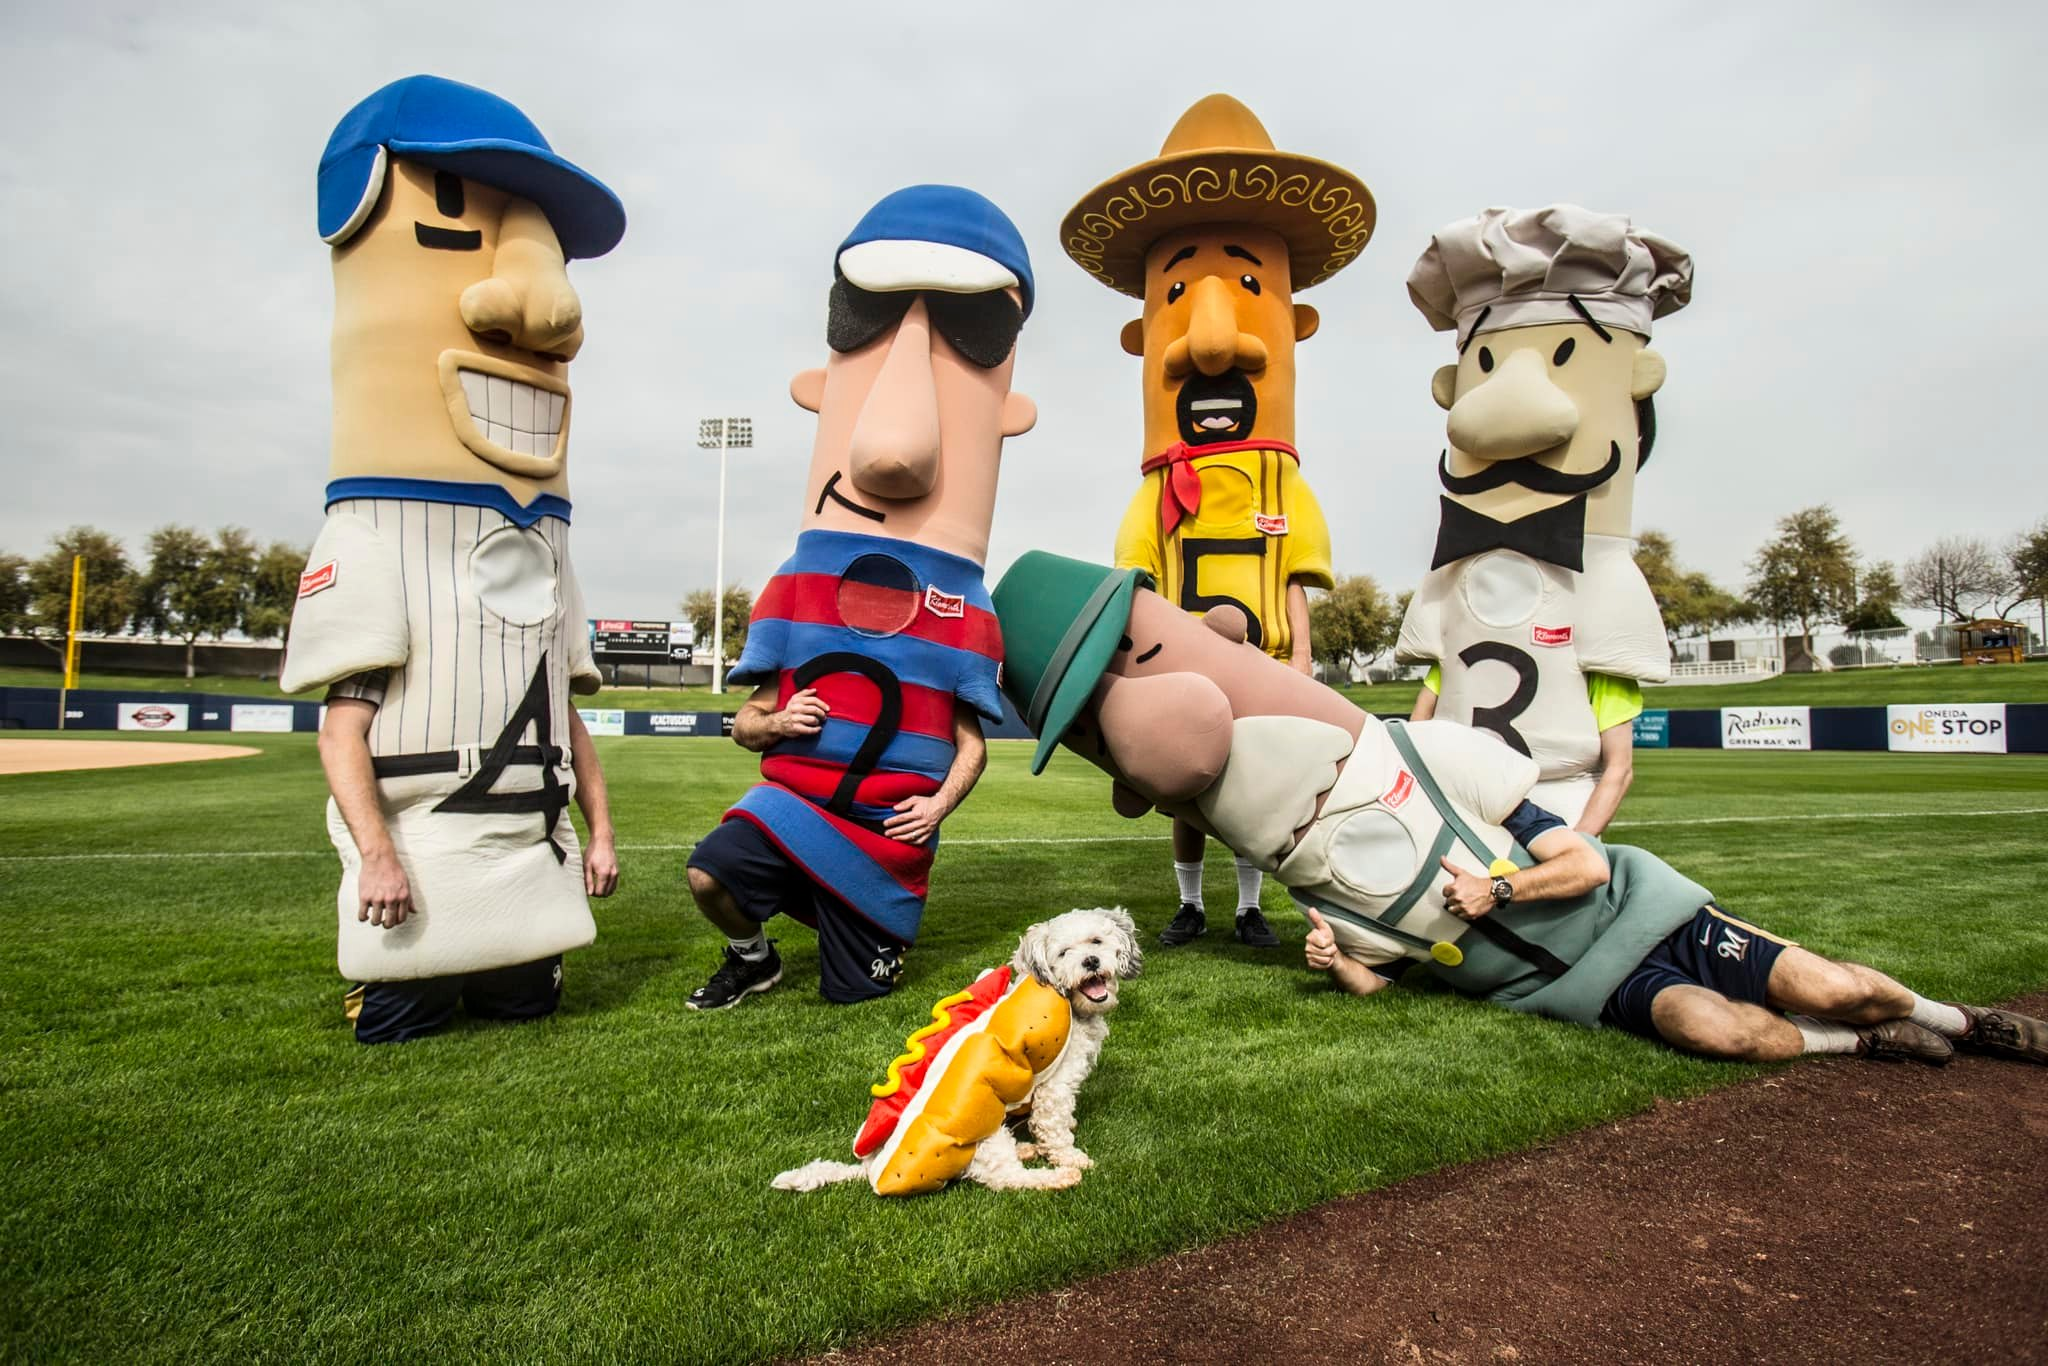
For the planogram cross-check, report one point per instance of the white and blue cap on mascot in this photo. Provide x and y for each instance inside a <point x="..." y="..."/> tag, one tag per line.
<point x="938" y="237"/>
<point x="455" y="127"/>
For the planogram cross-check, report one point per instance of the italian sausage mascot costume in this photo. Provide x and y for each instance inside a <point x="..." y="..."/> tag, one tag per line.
<point x="1216" y="235"/>
<point x="874" y="650"/>
<point x="440" y="605"/>
<point x="1534" y="618"/>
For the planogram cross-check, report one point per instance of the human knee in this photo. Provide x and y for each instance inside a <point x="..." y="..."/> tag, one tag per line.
<point x="705" y="887"/>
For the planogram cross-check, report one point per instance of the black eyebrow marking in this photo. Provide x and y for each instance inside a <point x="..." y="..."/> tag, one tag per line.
<point x="831" y="491"/>
<point x="1241" y="254"/>
<point x="448" y="194"/>
<point x="1591" y="321"/>
<point x="1149" y="653"/>
<point x="447" y="239"/>
<point x="1183" y="254"/>
<point x="1467" y="343"/>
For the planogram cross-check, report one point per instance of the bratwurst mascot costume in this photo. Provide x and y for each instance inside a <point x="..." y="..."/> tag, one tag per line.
<point x="1217" y="235"/>
<point x="1534" y="618"/>
<point x="440" y="593"/>
<point x="874" y="648"/>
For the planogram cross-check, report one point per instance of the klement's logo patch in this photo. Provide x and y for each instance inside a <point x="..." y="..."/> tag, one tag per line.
<point x="313" y="580"/>
<point x="1401" y="791"/>
<point x="1551" y="635"/>
<point x="152" y="718"/>
<point x="944" y="604"/>
<point x="1271" y="526"/>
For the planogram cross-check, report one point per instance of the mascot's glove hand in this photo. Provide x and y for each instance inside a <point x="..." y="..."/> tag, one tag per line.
<point x="1321" y="947"/>
<point x="600" y="866"/>
<point x="383" y="896"/>
<point x="916" y="819"/>
<point x="805" y="715"/>
<point x="1467" y="895"/>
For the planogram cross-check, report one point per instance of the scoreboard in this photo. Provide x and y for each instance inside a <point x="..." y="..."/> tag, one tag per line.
<point x="642" y="639"/>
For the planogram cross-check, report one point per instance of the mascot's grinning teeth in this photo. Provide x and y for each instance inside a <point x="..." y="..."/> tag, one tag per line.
<point x="521" y="417"/>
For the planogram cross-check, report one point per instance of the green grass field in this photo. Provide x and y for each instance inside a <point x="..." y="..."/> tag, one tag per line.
<point x="201" y="1162"/>
<point x="638" y="699"/>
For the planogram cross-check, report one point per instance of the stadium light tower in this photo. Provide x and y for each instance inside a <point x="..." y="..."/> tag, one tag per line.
<point x="722" y="434"/>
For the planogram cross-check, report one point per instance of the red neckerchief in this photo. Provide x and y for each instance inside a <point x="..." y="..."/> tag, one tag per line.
<point x="1180" y="493"/>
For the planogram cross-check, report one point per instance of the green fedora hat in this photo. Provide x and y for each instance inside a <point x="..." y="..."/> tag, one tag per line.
<point x="1061" y="620"/>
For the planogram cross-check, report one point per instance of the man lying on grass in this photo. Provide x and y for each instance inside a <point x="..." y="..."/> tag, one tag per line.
<point x="1416" y="842"/>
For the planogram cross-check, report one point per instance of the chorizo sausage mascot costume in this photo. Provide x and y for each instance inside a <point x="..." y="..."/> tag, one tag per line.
<point x="874" y="649"/>
<point x="439" y="609"/>
<point x="1535" y="621"/>
<point x="1217" y="234"/>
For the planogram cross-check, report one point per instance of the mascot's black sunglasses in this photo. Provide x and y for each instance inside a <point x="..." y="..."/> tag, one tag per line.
<point x="981" y="327"/>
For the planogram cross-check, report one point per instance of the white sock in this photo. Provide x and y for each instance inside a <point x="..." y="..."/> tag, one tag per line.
<point x="1189" y="876"/>
<point x="1249" y="879"/>
<point x="753" y="950"/>
<point x="1946" y="1021"/>
<point x="1825" y="1036"/>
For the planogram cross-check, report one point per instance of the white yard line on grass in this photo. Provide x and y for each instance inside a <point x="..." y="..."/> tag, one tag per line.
<point x="1060" y="839"/>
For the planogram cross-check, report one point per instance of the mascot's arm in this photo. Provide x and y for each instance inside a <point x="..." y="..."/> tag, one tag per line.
<point x="583" y="675"/>
<point x="1475" y="768"/>
<point x="1619" y="630"/>
<point x="1308" y="534"/>
<point x="350" y="614"/>
<point x="1422" y="629"/>
<point x="1137" y="540"/>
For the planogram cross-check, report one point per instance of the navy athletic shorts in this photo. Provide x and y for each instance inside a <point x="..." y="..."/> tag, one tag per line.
<point x="1715" y="951"/>
<point x="857" y="961"/>
<point x="393" y="1012"/>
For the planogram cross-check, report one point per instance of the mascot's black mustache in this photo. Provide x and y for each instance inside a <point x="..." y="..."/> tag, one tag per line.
<point x="1538" y="478"/>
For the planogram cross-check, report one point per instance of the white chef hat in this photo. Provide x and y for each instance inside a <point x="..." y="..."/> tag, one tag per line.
<point x="1522" y="267"/>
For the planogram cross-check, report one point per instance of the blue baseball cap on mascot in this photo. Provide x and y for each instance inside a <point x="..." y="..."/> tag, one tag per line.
<point x="939" y="237"/>
<point x="473" y="133"/>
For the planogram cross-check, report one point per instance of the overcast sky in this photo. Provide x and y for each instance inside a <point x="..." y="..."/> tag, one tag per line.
<point x="1859" y="185"/>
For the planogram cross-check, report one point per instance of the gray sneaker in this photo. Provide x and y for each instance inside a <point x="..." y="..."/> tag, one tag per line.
<point x="1897" y="1039"/>
<point x="2004" y="1034"/>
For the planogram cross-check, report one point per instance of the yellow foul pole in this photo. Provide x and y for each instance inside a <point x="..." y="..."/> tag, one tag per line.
<point x="71" y="637"/>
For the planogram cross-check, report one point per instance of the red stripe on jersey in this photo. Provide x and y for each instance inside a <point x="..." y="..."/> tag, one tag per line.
<point x="854" y="697"/>
<point x="818" y="779"/>
<point x="815" y="598"/>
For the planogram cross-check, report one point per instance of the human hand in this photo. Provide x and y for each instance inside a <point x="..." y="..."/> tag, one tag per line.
<point x="383" y="896"/>
<point x="916" y="819"/>
<point x="803" y="715"/>
<point x="600" y="866"/>
<point x="1467" y="895"/>
<point x="1321" y="948"/>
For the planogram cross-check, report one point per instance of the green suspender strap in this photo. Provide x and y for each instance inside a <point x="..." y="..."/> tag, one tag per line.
<point x="1535" y="955"/>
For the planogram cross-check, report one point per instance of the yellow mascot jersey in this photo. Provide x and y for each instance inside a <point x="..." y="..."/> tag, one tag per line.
<point x="1258" y="526"/>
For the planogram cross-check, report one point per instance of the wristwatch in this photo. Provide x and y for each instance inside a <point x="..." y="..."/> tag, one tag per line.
<point x="1503" y="891"/>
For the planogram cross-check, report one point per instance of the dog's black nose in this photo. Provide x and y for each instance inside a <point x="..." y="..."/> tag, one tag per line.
<point x="1092" y="963"/>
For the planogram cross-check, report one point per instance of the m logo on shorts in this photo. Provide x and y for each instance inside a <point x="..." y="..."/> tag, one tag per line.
<point x="1733" y="944"/>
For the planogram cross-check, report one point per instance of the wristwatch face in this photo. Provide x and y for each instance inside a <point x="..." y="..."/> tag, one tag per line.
<point x="1503" y="890"/>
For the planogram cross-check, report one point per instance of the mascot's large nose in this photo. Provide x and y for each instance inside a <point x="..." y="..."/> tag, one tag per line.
<point x="1168" y="734"/>
<point x="1516" y="412"/>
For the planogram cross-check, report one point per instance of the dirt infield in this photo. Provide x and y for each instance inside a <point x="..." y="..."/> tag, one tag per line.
<point x="58" y="756"/>
<point x="1835" y="1211"/>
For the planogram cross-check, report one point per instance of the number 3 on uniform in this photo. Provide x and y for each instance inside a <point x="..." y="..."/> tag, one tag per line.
<point x="1501" y="719"/>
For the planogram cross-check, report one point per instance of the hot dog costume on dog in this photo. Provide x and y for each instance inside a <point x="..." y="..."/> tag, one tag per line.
<point x="1350" y="813"/>
<point x="440" y="587"/>
<point x="1534" y="616"/>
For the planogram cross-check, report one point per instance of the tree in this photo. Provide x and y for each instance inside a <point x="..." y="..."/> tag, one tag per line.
<point x="16" y="597"/>
<point x="194" y="587"/>
<point x="1352" y="625"/>
<point x="109" y="587"/>
<point x="1877" y="600"/>
<point x="1955" y="576"/>
<point x="274" y="590"/>
<point x="1807" y="574"/>
<point x="1690" y="602"/>
<point x="2028" y="555"/>
<point x="739" y="606"/>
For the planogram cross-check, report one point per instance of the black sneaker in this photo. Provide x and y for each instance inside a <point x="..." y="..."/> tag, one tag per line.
<point x="737" y="979"/>
<point x="1188" y="923"/>
<point x="1252" y="929"/>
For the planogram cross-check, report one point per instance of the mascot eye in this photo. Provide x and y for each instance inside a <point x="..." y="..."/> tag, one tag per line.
<point x="1174" y="291"/>
<point x="1486" y="360"/>
<point x="1250" y="282"/>
<point x="1563" y="352"/>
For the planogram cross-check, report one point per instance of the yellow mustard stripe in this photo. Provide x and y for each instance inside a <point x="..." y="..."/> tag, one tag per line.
<point x="915" y="1045"/>
<point x="352" y="1004"/>
<point x="1721" y="915"/>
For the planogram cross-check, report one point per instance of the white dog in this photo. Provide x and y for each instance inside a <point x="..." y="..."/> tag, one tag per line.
<point x="1084" y="956"/>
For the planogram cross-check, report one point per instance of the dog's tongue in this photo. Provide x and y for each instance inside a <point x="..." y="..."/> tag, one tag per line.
<point x="1095" y="989"/>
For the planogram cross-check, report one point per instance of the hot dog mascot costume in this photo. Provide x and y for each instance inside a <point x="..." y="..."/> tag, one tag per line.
<point x="439" y="608"/>
<point x="1217" y="234"/>
<point x="1534" y="617"/>
<point x="874" y="648"/>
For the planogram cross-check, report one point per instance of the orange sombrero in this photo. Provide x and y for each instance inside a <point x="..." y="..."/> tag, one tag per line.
<point x="1219" y="165"/>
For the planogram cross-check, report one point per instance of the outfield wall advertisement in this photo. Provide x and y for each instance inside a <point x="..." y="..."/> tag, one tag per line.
<point x="153" y="716"/>
<point x="273" y="717"/>
<point x="1766" y="728"/>
<point x="603" y="720"/>
<point x="1947" y="728"/>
